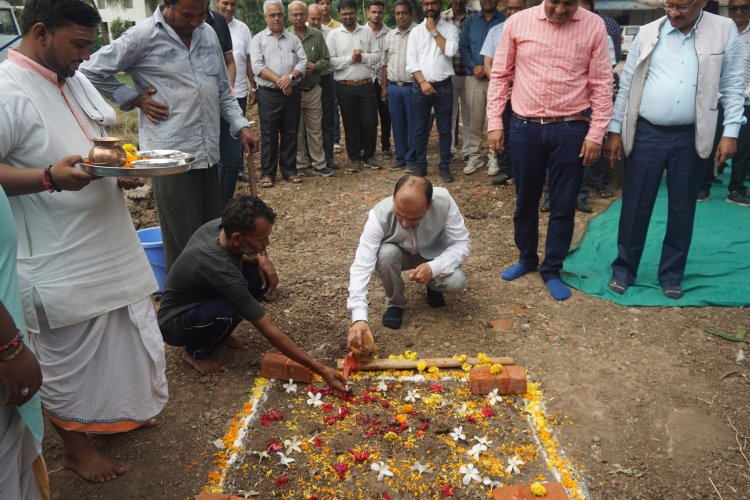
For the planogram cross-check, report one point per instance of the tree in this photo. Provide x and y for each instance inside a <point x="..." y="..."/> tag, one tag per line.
<point x="118" y="26"/>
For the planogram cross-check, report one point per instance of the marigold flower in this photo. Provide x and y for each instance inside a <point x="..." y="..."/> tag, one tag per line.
<point x="466" y="367"/>
<point x="421" y="366"/>
<point x="411" y="355"/>
<point x="390" y="436"/>
<point x="484" y="359"/>
<point x="538" y="489"/>
<point x="496" y="368"/>
<point x="407" y="408"/>
<point x="433" y="369"/>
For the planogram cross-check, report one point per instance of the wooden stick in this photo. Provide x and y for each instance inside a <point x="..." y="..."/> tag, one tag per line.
<point x="408" y="364"/>
<point x="251" y="174"/>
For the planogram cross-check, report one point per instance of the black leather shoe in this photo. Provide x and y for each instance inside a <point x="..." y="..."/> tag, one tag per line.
<point x="446" y="175"/>
<point x="500" y="180"/>
<point x="392" y="317"/>
<point x="421" y="171"/>
<point x="583" y="206"/>
<point x="435" y="299"/>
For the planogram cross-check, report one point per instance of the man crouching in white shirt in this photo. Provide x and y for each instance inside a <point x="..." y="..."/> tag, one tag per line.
<point x="419" y="229"/>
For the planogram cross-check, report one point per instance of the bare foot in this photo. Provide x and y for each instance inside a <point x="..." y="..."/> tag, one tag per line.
<point x="234" y="342"/>
<point x="204" y="366"/>
<point x="92" y="465"/>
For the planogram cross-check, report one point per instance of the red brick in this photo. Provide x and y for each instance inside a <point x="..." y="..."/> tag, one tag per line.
<point x="276" y="365"/>
<point x="511" y="380"/>
<point x="555" y="491"/>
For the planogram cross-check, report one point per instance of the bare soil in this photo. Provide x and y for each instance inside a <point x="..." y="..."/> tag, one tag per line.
<point x="648" y="398"/>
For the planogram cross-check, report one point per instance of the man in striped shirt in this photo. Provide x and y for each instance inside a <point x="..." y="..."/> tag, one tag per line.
<point x="557" y="57"/>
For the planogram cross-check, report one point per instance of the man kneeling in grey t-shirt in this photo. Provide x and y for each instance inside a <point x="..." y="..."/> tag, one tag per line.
<point x="217" y="281"/>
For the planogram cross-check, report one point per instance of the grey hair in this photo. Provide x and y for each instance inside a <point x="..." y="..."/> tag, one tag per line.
<point x="295" y="3"/>
<point x="313" y="5"/>
<point x="268" y="3"/>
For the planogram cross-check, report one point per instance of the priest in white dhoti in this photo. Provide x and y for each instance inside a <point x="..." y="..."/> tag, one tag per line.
<point x="85" y="283"/>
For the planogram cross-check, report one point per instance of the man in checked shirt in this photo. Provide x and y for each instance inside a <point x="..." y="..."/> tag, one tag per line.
<point x="557" y="57"/>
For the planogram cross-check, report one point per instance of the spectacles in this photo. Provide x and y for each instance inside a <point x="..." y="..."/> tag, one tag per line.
<point x="737" y="8"/>
<point x="678" y="7"/>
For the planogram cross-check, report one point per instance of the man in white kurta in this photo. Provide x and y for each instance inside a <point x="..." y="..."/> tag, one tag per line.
<point x="85" y="282"/>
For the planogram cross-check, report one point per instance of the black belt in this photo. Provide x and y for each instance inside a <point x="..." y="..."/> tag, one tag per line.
<point x="544" y="120"/>
<point x="671" y="128"/>
<point x="399" y="84"/>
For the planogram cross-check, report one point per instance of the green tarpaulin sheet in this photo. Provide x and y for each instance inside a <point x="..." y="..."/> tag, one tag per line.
<point x="718" y="266"/>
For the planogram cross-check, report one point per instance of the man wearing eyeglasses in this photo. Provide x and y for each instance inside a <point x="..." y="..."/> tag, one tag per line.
<point x="664" y="118"/>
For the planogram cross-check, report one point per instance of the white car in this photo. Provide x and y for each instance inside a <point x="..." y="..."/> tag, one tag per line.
<point x="628" y="33"/>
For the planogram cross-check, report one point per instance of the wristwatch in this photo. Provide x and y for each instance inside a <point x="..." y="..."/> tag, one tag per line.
<point x="434" y="34"/>
<point x="292" y="77"/>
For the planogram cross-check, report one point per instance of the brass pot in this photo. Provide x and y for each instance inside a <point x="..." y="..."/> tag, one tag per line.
<point x="107" y="152"/>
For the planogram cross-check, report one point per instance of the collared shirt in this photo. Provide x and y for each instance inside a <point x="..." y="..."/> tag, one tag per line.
<point x="450" y="17"/>
<point x="669" y="92"/>
<point x="472" y="37"/>
<point x="241" y="38"/>
<point x="380" y="38"/>
<point x="614" y="31"/>
<point x="745" y="44"/>
<point x="394" y="54"/>
<point x="341" y="43"/>
<point x="316" y="51"/>
<point x="423" y="53"/>
<point x="282" y="55"/>
<point x="457" y="251"/>
<point x="490" y="42"/>
<point x="333" y="24"/>
<point x="81" y="241"/>
<point x="556" y="70"/>
<point x="192" y="81"/>
<point x="668" y="96"/>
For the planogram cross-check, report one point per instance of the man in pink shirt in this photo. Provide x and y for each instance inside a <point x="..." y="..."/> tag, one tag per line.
<point x="557" y="57"/>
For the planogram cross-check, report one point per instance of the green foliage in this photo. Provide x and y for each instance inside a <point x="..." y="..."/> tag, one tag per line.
<point x="118" y="26"/>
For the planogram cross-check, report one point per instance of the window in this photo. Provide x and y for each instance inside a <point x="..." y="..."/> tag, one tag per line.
<point x="7" y="24"/>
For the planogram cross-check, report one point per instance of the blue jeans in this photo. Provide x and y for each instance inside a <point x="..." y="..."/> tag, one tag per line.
<point x="656" y="149"/>
<point x="231" y="162"/>
<point x="442" y="102"/>
<point x="402" y="121"/>
<point x="204" y="328"/>
<point x="551" y="150"/>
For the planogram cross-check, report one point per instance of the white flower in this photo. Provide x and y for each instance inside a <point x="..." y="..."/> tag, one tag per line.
<point x="513" y="463"/>
<point x="382" y="386"/>
<point x="261" y="455"/>
<point x="291" y="386"/>
<point x="492" y="484"/>
<point x="292" y="445"/>
<point x="284" y="460"/>
<point x="495" y="397"/>
<point x="458" y="433"/>
<point x="419" y="468"/>
<point x="470" y="472"/>
<point x="382" y="469"/>
<point x="476" y="450"/>
<point x="412" y="396"/>
<point x="483" y="441"/>
<point x="461" y="412"/>
<point x="314" y="399"/>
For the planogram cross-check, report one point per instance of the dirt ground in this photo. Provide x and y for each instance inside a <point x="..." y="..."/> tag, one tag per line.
<point x="650" y="398"/>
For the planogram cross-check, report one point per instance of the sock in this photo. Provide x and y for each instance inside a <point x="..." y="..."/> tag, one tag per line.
<point x="515" y="271"/>
<point x="392" y="317"/>
<point x="557" y="289"/>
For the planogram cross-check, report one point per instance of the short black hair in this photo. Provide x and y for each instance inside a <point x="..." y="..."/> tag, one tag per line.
<point x="378" y="3"/>
<point x="590" y="2"/>
<point x="403" y="2"/>
<point x="56" y="13"/>
<point x="240" y="214"/>
<point x="414" y="178"/>
<point x="347" y="4"/>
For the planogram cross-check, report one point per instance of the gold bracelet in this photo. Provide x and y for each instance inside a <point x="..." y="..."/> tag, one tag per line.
<point x="11" y="356"/>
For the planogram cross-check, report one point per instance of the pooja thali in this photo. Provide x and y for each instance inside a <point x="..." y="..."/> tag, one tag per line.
<point x="154" y="163"/>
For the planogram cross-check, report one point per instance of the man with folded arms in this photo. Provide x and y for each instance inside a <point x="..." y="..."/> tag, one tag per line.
<point x="557" y="57"/>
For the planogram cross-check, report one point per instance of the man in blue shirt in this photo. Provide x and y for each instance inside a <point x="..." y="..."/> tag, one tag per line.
<point x="470" y="45"/>
<point x="664" y="118"/>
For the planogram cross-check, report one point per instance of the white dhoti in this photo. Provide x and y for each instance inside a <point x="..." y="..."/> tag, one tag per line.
<point x="23" y="474"/>
<point x="104" y="375"/>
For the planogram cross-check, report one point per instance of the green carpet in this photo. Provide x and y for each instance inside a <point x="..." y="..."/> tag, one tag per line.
<point x="718" y="266"/>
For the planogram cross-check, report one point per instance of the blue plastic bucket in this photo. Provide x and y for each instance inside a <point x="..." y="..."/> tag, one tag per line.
<point x="152" y="244"/>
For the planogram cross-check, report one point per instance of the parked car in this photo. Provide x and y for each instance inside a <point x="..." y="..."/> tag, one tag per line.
<point x="628" y="33"/>
<point x="10" y="34"/>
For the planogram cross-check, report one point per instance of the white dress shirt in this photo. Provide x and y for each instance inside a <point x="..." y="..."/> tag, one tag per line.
<point x="423" y="53"/>
<point x="241" y="38"/>
<point x="366" y="257"/>
<point x="341" y="43"/>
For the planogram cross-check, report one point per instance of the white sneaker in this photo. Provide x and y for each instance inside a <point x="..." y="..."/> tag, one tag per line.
<point x="492" y="167"/>
<point x="473" y="165"/>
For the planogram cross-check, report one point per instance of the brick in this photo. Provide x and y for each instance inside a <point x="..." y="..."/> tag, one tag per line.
<point x="512" y="380"/>
<point x="555" y="491"/>
<point x="276" y="365"/>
